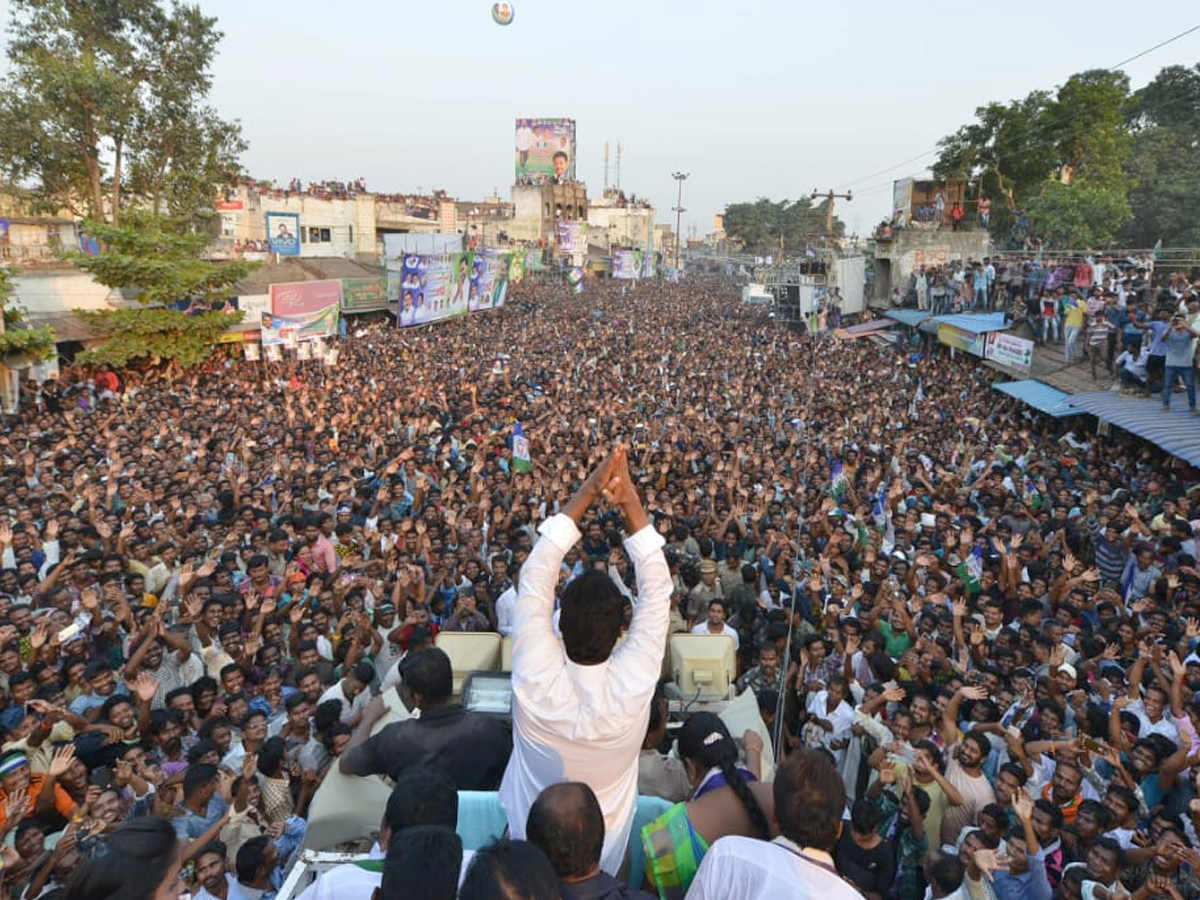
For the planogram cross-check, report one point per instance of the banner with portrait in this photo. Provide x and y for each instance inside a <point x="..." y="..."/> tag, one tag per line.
<point x="283" y="233"/>
<point x="545" y="151"/>
<point x="489" y="280"/>
<point x="572" y="237"/>
<point x="624" y="265"/>
<point x="302" y="311"/>
<point x="516" y="267"/>
<point x="433" y="288"/>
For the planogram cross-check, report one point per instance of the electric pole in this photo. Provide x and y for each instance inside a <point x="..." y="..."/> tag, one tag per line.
<point x="680" y="178"/>
<point x="831" y="196"/>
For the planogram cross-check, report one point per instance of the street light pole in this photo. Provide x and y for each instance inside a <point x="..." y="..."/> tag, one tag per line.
<point x="680" y="178"/>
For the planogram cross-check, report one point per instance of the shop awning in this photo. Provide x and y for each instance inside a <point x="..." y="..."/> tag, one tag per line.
<point x="1042" y="397"/>
<point x="1175" y="430"/>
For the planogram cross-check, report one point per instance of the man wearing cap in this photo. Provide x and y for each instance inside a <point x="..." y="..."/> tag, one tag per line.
<point x="42" y="791"/>
<point x="706" y="589"/>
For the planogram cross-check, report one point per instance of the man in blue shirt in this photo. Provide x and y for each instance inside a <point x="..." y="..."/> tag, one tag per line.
<point x="1177" y="358"/>
<point x="1153" y="332"/>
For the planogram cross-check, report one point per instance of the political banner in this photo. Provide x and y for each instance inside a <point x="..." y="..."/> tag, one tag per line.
<point x="545" y="151"/>
<point x="364" y="294"/>
<point x="575" y="280"/>
<point x="624" y="265"/>
<point x="283" y="233"/>
<point x="489" y="281"/>
<point x="1009" y="350"/>
<point x="647" y="265"/>
<point x="393" y="285"/>
<point x="302" y="311"/>
<point x="433" y="288"/>
<point x="516" y="267"/>
<point x="572" y="238"/>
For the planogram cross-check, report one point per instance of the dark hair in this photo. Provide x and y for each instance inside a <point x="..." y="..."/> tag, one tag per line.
<point x="1016" y="770"/>
<point x="423" y="795"/>
<point x="945" y="871"/>
<point x="656" y="709"/>
<point x="1098" y="811"/>
<point x="422" y="863"/>
<point x="211" y="725"/>
<point x="809" y="799"/>
<point x="705" y="740"/>
<point x="1051" y="809"/>
<point x="509" y="870"/>
<point x="250" y="857"/>
<point x="213" y="846"/>
<point x="864" y="816"/>
<point x="429" y="673"/>
<point x="566" y="823"/>
<point x="146" y="845"/>
<point x="199" y="776"/>
<point x="327" y="715"/>
<point x="270" y="756"/>
<point x="591" y="617"/>
<point x="933" y="750"/>
<point x="984" y="745"/>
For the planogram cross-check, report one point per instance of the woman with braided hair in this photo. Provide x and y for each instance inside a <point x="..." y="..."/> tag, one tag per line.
<point x="727" y="799"/>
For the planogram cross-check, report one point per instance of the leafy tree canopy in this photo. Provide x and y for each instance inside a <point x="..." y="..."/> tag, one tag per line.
<point x="768" y="226"/>
<point x="1090" y="162"/>
<point x="105" y="108"/>
<point x="156" y="335"/>
<point x="159" y="262"/>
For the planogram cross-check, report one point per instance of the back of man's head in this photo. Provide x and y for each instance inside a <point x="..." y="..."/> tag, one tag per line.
<point x="809" y="800"/>
<point x="945" y="872"/>
<point x="422" y="863"/>
<point x="509" y="870"/>
<point x="565" y="823"/>
<point x="423" y="795"/>
<point x="429" y="675"/>
<point x="591" y="617"/>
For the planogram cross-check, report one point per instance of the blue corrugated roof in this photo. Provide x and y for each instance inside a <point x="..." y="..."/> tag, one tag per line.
<point x="1041" y="397"/>
<point x="910" y="317"/>
<point x="1175" y="430"/>
<point x="975" y="323"/>
<point x="870" y="325"/>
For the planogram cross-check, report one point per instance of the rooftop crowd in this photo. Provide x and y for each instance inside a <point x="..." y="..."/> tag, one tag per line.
<point x="973" y="629"/>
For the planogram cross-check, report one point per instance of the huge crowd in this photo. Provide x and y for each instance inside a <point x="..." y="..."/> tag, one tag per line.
<point x="985" y="622"/>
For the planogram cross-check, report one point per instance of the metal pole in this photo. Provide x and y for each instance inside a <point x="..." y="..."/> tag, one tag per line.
<point x="680" y="178"/>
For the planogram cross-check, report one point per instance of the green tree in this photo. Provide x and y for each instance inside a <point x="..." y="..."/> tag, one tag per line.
<point x="1078" y="215"/>
<point x="160" y="336"/>
<point x="104" y="108"/>
<point x="1164" y="163"/>
<point x="767" y="226"/>
<point x="1016" y="151"/>
<point x="159" y="262"/>
<point x="16" y="334"/>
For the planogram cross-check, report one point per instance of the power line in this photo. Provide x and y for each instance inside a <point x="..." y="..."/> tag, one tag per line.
<point x="936" y="148"/>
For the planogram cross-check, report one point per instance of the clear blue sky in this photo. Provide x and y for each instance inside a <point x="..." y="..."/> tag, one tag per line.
<point x="752" y="97"/>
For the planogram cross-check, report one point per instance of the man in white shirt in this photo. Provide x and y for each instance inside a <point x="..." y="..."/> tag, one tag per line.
<point x="809" y="800"/>
<point x="506" y="607"/>
<point x="352" y="692"/>
<point x="580" y="709"/>
<point x="716" y="624"/>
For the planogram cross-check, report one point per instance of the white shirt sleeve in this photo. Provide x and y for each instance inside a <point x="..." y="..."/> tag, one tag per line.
<point x="538" y="656"/>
